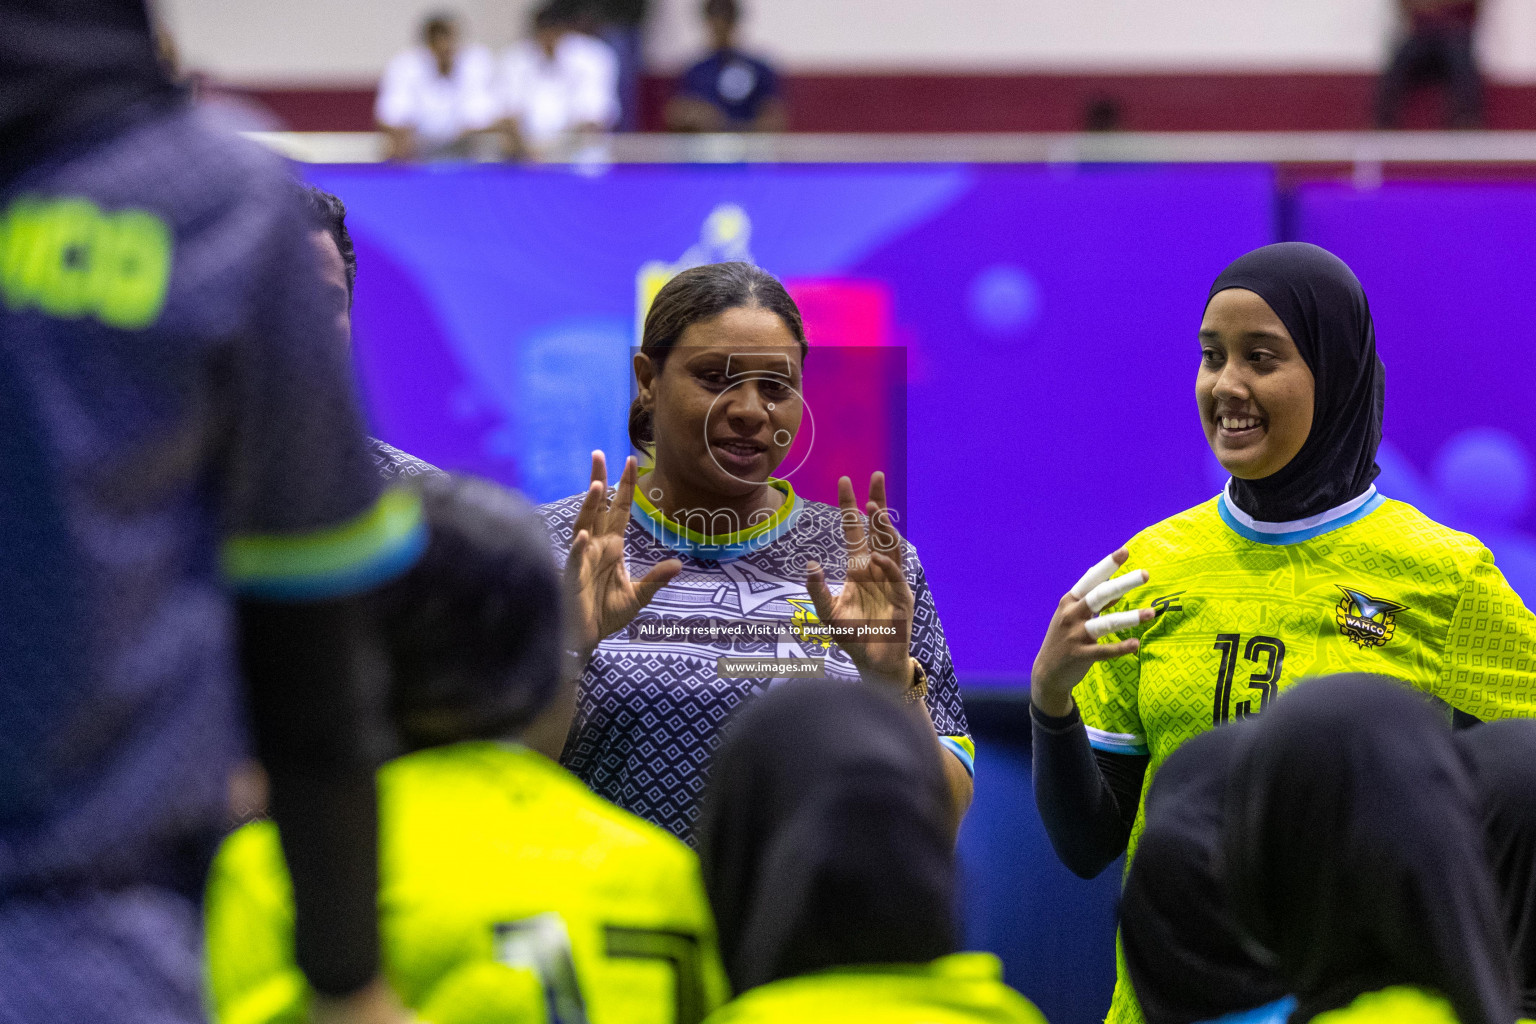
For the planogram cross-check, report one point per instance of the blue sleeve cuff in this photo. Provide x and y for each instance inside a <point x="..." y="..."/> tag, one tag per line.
<point x="1116" y="742"/>
<point x="964" y="748"/>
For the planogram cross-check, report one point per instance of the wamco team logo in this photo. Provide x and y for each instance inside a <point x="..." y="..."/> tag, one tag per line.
<point x="804" y="622"/>
<point x="1366" y="621"/>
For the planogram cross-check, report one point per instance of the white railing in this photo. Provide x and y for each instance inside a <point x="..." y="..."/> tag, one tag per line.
<point x="1358" y="148"/>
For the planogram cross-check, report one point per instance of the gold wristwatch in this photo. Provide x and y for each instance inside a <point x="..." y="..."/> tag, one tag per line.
<point x="919" y="688"/>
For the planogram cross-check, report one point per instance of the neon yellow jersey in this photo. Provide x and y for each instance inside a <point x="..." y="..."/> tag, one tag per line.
<point x="508" y="893"/>
<point x="1399" y="1004"/>
<point x="966" y="988"/>
<point x="1245" y="611"/>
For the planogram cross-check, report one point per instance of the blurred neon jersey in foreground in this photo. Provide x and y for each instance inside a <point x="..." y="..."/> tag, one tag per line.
<point x="508" y="892"/>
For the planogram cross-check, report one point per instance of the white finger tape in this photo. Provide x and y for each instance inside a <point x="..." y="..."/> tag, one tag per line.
<point x="1110" y="591"/>
<point x="1107" y="624"/>
<point x="1093" y="577"/>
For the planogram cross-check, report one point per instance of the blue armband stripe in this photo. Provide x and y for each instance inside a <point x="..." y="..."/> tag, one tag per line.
<point x="356" y="556"/>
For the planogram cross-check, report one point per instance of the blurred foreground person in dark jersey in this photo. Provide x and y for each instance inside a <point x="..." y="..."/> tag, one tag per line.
<point x="1502" y="756"/>
<point x="827" y="840"/>
<point x="171" y="436"/>
<point x="1354" y="858"/>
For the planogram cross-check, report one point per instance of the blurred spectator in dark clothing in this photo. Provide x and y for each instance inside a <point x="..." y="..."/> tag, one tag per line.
<point x="728" y="91"/>
<point x="435" y="96"/>
<point x="1103" y="114"/>
<point x="1438" y="48"/>
<point x="621" y="24"/>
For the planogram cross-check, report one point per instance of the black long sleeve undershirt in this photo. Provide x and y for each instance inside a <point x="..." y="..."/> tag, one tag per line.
<point x="317" y="731"/>
<point x="1087" y="798"/>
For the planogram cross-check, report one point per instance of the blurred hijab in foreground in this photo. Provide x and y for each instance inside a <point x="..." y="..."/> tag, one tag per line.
<point x="828" y="857"/>
<point x="1183" y="949"/>
<point x="1353" y="854"/>
<point x="825" y="837"/>
<point x="1502" y="756"/>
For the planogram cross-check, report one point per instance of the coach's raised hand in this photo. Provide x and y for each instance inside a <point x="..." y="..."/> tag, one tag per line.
<point x="876" y="592"/>
<point x="601" y="598"/>
<point x="1072" y="644"/>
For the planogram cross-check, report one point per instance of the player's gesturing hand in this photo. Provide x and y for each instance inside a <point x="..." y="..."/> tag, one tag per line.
<point x="1071" y="643"/>
<point x="600" y="596"/>
<point x="876" y="594"/>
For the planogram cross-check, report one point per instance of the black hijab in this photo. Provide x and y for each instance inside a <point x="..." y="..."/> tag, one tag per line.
<point x="1183" y="949"/>
<point x="1502" y="756"/>
<point x="69" y="68"/>
<point x="825" y="837"/>
<point x="1322" y="305"/>
<point x="1352" y="852"/>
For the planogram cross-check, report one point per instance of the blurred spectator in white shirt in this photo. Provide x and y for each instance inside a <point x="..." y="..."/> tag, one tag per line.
<point x="435" y="96"/>
<point x="729" y="90"/>
<point x="556" y="86"/>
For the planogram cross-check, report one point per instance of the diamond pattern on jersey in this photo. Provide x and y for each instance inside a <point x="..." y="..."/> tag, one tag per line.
<point x="394" y="464"/>
<point x="650" y="714"/>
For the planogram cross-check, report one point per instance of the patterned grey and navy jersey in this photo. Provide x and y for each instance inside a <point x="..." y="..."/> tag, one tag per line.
<point x="651" y="711"/>
<point x="394" y="464"/>
<point x="172" y="429"/>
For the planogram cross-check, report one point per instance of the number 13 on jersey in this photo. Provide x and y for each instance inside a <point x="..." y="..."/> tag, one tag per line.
<point x="1264" y="656"/>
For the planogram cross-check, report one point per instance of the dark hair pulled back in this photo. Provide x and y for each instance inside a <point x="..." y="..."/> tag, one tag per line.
<point x="699" y="294"/>
<point x="328" y="213"/>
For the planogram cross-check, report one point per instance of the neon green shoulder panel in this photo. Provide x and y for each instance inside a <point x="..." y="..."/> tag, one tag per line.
<point x="506" y="886"/>
<point x="1399" y="1004"/>
<point x="966" y="988"/>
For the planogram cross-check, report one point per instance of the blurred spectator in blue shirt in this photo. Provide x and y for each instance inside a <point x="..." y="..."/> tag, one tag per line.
<point x="1438" y="48"/>
<point x="728" y="91"/>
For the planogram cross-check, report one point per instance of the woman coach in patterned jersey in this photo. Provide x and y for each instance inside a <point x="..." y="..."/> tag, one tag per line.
<point x="719" y="375"/>
<point x="1299" y="568"/>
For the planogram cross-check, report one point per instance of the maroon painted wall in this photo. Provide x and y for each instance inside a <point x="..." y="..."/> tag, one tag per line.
<point x="1014" y="103"/>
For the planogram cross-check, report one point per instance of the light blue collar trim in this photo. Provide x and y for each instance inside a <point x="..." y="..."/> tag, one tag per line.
<point x="1276" y="1012"/>
<point x="676" y="538"/>
<point x="1297" y="530"/>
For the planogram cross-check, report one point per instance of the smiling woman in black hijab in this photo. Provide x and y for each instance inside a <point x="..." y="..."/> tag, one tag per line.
<point x="1323" y="309"/>
<point x="1354" y="859"/>
<point x="827" y="844"/>
<point x="1298" y="567"/>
